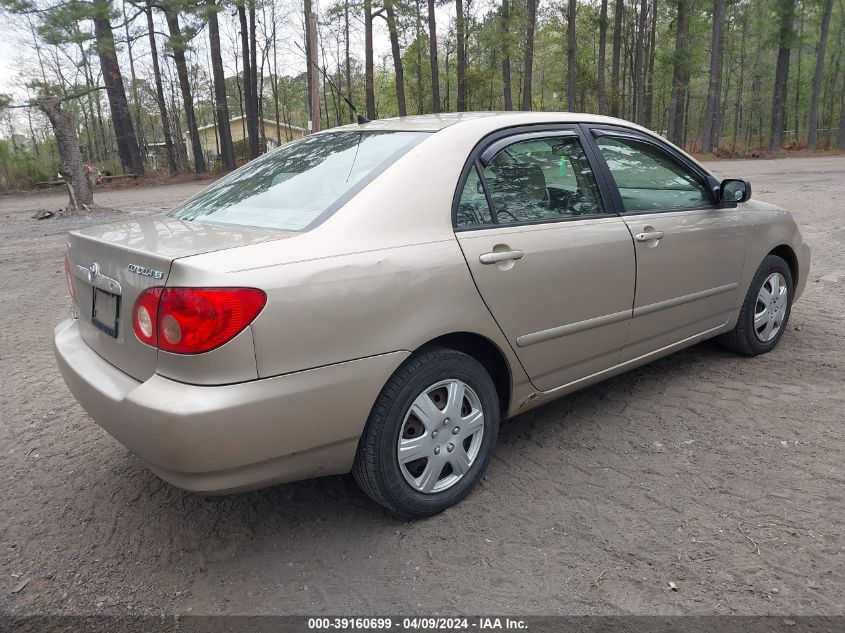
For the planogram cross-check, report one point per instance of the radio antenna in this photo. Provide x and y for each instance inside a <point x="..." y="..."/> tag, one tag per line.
<point x="361" y="118"/>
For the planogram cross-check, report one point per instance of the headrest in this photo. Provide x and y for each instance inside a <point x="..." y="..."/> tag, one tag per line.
<point x="525" y="180"/>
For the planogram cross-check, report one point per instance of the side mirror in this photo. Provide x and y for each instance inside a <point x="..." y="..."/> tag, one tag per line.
<point x="734" y="190"/>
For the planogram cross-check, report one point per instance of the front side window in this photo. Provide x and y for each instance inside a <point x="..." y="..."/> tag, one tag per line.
<point x="537" y="179"/>
<point x="291" y="187"/>
<point x="648" y="179"/>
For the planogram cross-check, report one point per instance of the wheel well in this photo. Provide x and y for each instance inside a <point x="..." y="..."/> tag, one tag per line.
<point x="788" y="255"/>
<point x="485" y="352"/>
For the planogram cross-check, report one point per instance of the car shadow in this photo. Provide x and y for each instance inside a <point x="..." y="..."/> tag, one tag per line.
<point x="651" y="376"/>
<point x="337" y="501"/>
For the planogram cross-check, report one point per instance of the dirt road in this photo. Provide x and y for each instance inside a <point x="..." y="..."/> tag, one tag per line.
<point x="720" y="474"/>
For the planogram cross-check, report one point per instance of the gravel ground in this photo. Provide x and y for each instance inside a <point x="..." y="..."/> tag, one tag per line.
<point x="722" y="475"/>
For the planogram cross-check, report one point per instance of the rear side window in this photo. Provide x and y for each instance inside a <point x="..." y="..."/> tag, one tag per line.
<point x="301" y="182"/>
<point x="648" y="179"/>
<point x="473" y="209"/>
<point x="535" y="180"/>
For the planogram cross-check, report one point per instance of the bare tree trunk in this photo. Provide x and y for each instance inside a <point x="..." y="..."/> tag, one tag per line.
<point x="840" y="142"/>
<point x="602" y="84"/>
<point x="448" y="99"/>
<point x="162" y="106"/>
<point x="461" y="54"/>
<point x="432" y="55"/>
<point x="528" y="64"/>
<point x="627" y="101"/>
<point x="615" y="87"/>
<point x="98" y="136"/>
<point x="797" y="109"/>
<point x="397" y="56"/>
<point x="570" y="55"/>
<point x="649" y="81"/>
<point x="639" y="63"/>
<point x="255" y="121"/>
<point x="786" y="10"/>
<point x="35" y="41"/>
<point x="710" y="135"/>
<point x="238" y="84"/>
<point x="418" y="70"/>
<point x="136" y="102"/>
<point x="506" y="55"/>
<point x="339" y="105"/>
<point x="314" y="94"/>
<point x="369" y="90"/>
<point x="740" y="83"/>
<point x="212" y="99"/>
<point x="32" y="131"/>
<point x="221" y="106"/>
<point x="827" y="98"/>
<point x="127" y="142"/>
<point x="348" y="57"/>
<point x="181" y="148"/>
<point x="103" y="149"/>
<point x="309" y="65"/>
<point x="177" y="43"/>
<point x="275" y="76"/>
<point x="249" y="89"/>
<point x="818" y="78"/>
<point x="680" y="76"/>
<point x="323" y="74"/>
<point x="71" y="167"/>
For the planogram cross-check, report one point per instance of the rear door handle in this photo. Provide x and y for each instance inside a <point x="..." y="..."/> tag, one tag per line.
<point x="649" y="236"/>
<point x="499" y="256"/>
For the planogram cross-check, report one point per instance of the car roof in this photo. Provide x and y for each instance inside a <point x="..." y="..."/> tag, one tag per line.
<point x="436" y="122"/>
<point x="486" y="122"/>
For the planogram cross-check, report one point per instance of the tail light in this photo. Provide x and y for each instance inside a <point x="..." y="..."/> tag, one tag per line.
<point x="194" y="320"/>
<point x="144" y="316"/>
<point x="69" y="279"/>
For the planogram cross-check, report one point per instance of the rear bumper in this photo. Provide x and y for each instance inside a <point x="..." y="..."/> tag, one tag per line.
<point x="229" y="437"/>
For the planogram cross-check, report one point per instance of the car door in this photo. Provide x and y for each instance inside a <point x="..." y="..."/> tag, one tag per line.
<point x="556" y="270"/>
<point x="690" y="252"/>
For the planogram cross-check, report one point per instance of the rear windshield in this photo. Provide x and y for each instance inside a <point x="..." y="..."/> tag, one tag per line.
<point x="301" y="183"/>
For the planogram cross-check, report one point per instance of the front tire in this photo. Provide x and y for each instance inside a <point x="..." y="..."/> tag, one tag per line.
<point x="430" y="435"/>
<point x="765" y="311"/>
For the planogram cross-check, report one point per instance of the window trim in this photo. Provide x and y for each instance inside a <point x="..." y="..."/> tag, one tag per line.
<point x="671" y="153"/>
<point x="492" y="150"/>
<point x="505" y="137"/>
<point x="479" y="170"/>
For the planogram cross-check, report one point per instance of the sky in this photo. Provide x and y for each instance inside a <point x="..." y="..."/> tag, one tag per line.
<point x="17" y="53"/>
<point x="6" y="61"/>
<point x="18" y="60"/>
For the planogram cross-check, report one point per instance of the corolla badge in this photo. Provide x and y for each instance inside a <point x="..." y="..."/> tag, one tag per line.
<point x="146" y="272"/>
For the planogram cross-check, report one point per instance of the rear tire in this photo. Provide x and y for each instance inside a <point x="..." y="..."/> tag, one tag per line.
<point x="765" y="311"/>
<point x="440" y="410"/>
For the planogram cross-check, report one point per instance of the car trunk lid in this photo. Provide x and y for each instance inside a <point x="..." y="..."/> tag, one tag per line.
<point x="110" y="265"/>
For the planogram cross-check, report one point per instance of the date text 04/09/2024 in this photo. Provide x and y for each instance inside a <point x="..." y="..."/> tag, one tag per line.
<point x="416" y="623"/>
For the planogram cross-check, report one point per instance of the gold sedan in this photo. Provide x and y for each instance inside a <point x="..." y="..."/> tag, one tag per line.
<point x="377" y="297"/>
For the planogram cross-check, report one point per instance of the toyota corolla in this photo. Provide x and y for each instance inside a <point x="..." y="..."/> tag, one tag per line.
<point x="377" y="297"/>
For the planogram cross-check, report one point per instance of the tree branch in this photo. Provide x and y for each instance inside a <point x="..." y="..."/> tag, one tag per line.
<point x="129" y="19"/>
<point x="77" y="95"/>
<point x="73" y="95"/>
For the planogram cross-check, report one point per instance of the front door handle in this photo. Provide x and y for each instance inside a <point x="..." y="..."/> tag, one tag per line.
<point x="499" y="256"/>
<point x="648" y="236"/>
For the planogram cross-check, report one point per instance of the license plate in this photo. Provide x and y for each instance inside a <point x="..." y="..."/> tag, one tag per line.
<point x="105" y="312"/>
